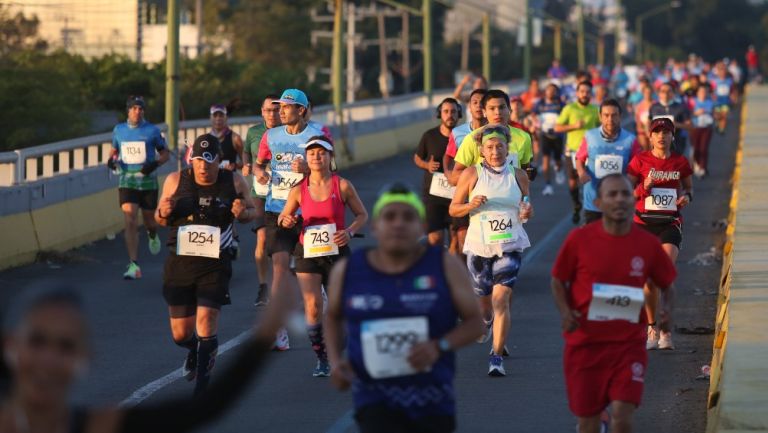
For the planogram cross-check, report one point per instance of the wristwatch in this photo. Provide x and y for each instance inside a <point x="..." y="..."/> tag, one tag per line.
<point x="444" y="345"/>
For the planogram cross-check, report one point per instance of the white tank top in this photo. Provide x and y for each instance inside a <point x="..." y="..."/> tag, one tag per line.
<point x="503" y="206"/>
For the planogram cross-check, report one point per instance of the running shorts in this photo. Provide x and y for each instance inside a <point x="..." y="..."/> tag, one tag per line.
<point x="196" y="281"/>
<point x="599" y="373"/>
<point x="487" y="272"/>
<point x="379" y="418"/>
<point x="317" y="265"/>
<point x="146" y="199"/>
<point x="552" y="146"/>
<point x="667" y="233"/>
<point x="437" y="214"/>
<point x="280" y="240"/>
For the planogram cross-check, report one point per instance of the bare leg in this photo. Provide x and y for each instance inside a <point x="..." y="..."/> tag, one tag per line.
<point x="501" y="299"/>
<point x="131" y="217"/>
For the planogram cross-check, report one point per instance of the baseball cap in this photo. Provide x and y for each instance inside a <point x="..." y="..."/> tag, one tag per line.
<point x="206" y="147"/>
<point x="135" y="100"/>
<point x="293" y="96"/>
<point x="325" y="144"/>
<point x="663" y="123"/>
<point x="218" y="108"/>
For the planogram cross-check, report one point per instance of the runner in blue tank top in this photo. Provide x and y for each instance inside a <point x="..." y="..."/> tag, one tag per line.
<point x="398" y="306"/>
<point x="603" y="151"/>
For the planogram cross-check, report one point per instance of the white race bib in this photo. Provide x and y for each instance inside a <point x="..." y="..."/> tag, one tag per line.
<point x="318" y="241"/>
<point x="198" y="241"/>
<point x="387" y="343"/>
<point x="439" y="187"/>
<point x="723" y="90"/>
<point x="662" y="199"/>
<point x="224" y="164"/>
<point x="133" y="152"/>
<point x="283" y="181"/>
<point x="704" y="120"/>
<point x="615" y="302"/>
<point x="548" y="121"/>
<point x="498" y="227"/>
<point x="608" y="164"/>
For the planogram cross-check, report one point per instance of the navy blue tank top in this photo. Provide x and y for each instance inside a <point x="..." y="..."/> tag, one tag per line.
<point x="422" y="291"/>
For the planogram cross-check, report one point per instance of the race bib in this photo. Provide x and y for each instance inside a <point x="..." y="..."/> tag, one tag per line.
<point x="283" y="181"/>
<point x="722" y="90"/>
<point x="662" y="199"/>
<point x="198" y="241"/>
<point x="259" y="189"/>
<point x="224" y="164"/>
<point x="704" y="120"/>
<point x="498" y="227"/>
<point x="513" y="160"/>
<point x="615" y="302"/>
<point x="318" y="241"/>
<point x="608" y="164"/>
<point x="387" y="343"/>
<point x="133" y="152"/>
<point x="439" y="187"/>
<point x="548" y="121"/>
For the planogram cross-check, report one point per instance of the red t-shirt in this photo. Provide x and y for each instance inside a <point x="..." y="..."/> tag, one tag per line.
<point x="591" y="255"/>
<point x="668" y="173"/>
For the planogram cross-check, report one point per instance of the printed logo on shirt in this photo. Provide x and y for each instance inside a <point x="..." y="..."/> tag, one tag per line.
<point x="637" y="372"/>
<point x="424" y="282"/>
<point x="663" y="175"/>
<point x="366" y="302"/>
<point x="637" y="267"/>
<point x="205" y="201"/>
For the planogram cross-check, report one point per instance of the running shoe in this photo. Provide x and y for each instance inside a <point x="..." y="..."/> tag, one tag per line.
<point x="281" y="342"/>
<point x="488" y="332"/>
<point x="189" y="369"/>
<point x="322" y="369"/>
<point x="504" y="353"/>
<point x="133" y="272"/>
<point x="665" y="341"/>
<point x="496" y="366"/>
<point x="154" y="244"/>
<point x="548" y="190"/>
<point x="261" y="298"/>
<point x="652" y="343"/>
<point x="559" y="177"/>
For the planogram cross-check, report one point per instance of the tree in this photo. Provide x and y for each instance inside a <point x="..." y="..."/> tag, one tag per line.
<point x="18" y="32"/>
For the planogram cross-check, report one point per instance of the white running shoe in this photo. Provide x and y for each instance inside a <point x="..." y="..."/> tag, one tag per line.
<point x="548" y="190"/>
<point x="488" y="332"/>
<point x="559" y="177"/>
<point x="653" y="338"/>
<point x="665" y="341"/>
<point x="281" y="342"/>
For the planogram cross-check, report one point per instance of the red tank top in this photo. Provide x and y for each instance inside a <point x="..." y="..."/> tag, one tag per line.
<point x="327" y="211"/>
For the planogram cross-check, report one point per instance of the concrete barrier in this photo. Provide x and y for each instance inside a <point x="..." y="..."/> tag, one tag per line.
<point x="738" y="395"/>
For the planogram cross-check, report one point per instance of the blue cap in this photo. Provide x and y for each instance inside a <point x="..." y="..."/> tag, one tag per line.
<point x="293" y="96"/>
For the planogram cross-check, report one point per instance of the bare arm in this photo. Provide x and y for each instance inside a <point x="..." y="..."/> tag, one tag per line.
<point x="350" y="197"/>
<point x="237" y="143"/>
<point x="163" y="156"/>
<point x="287" y="217"/>
<point x="459" y="206"/>
<point x="166" y="203"/>
<point x="465" y="302"/>
<point x="568" y="317"/>
<point x="244" y="208"/>
<point x="455" y="174"/>
<point x="342" y="374"/>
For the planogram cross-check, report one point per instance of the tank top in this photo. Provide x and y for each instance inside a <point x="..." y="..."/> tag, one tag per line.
<point x="228" y="152"/>
<point x="605" y="156"/>
<point x="330" y="210"/>
<point x="421" y="291"/>
<point x="207" y="205"/>
<point x="504" y="195"/>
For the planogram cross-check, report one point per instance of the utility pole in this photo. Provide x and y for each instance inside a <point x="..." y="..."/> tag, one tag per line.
<point x="528" y="42"/>
<point x="617" y="33"/>
<point x="558" y="41"/>
<point x="601" y="49"/>
<point x="426" y="9"/>
<point x="465" y="48"/>
<point x="406" y="52"/>
<point x="351" y="72"/>
<point x="336" y="58"/>
<point x="139" y="29"/>
<point x="580" y="38"/>
<point x="199" y="25"/>
<point x="172" y="78"/>
<point x="487" y="47"/>
<point x="383" y="69"/>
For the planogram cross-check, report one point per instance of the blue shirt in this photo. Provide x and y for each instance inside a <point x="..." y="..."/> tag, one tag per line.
<point x="421" y="291"/>
<point x="284" y="148"/>
<point x="548" y="113"/>
<point x="458" y="133"/>
<point x="602" y="158"/>
<point x="135" y="146"/>
<point x="705" y="120"/>
<point x="721" y="88"/>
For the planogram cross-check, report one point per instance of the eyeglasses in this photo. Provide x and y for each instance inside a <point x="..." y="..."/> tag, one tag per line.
<point x="496" y="130"/>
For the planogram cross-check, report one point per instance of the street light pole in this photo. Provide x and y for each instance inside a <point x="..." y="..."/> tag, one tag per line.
<point x="617" y="33"/>
<point x="639" y="26"/>
<point x="487" y="47"/>
<point x="580" y="38"/>
<point x="172" y="78"/>
<point x="426" y="8"/>
<point x="528" y="42"/>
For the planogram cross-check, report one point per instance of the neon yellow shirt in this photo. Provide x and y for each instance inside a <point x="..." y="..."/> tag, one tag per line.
<point x="571" y="114"/>
<point x="520" y="148"/>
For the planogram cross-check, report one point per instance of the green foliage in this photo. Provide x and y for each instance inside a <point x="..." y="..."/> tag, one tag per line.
<point x="18" y="32"/>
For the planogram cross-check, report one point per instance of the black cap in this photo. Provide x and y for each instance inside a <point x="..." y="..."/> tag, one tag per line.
<point x="206" y="147"/>
<point x="135" y="100"/>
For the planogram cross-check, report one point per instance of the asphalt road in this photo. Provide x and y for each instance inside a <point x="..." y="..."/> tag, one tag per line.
<point x="132" y="349"/>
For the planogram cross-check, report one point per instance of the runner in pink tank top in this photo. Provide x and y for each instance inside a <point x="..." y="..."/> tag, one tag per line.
<point x="323" y="197"/>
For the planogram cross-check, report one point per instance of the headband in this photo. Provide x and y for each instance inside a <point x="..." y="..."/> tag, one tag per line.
<point x="408" y="198"/>
<point x="494" y="134"/>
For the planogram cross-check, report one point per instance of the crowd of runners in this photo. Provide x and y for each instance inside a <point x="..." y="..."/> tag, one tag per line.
<point x="387" y="320"/>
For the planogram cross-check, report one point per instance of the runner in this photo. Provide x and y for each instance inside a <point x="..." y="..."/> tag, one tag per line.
<point x="280" y="148"/>
<point x="724" y="93"/>
<point x="642" y="108"/>
<point x="663" y="186"/>
<point x="556" y="72"/>
<point x="531" y="96"/>
<point x="138" y="150"/>
<point x="201" y="204"/>
<point x="673" y="110"/>
<point x="230" y="141"/>
<point x="604" y="150"/>
<point x="495" y="197"/>
<point x="322" y="197"/>
<point x="398" y="306"/>
<point x="752" y="64"/>
<point x="596" y="284"/>
<point x="270" y="113"/>
<point x="459" y="225"/>
<point x="701" y="134"/>
<point x="45" y="335"/>
<point x="546" y="112"/>
<point x="575" y="119"/>
<point x="496" y="110"/>
<point x="436" y="191"/>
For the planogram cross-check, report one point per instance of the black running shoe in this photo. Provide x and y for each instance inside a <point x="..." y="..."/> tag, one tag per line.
<point x="261" y="299"/>
<point x="190" y="366"/>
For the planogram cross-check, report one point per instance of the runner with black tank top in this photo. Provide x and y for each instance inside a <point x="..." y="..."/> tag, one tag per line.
<point x="663" y="185"/>
<point x="322" y="197"/>
<point x="201" y="204"/>
<point x="230" y="142"/>
<point x="398" y="306"/>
